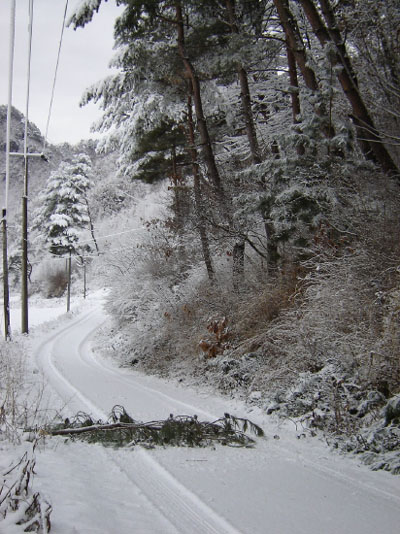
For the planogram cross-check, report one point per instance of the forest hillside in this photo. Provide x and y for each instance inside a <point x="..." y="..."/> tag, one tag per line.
<point x="244" y="209"/>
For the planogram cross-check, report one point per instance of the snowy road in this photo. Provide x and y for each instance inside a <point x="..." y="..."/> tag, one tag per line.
<point x="280" y="487"/>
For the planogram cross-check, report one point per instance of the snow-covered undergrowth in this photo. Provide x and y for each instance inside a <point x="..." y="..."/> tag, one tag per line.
<point x="317" y="341"/>
<point x="328" y="359"/>
<point x="21" y="507"/>
<point x="23" y="406"/>
<point x="20" y="391"/>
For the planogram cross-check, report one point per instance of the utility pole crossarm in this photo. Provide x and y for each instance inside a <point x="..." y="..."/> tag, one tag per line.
<point x="30" y="155"/>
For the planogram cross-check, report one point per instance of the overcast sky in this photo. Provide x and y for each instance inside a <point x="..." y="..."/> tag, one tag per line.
<point x="84" y="60"/>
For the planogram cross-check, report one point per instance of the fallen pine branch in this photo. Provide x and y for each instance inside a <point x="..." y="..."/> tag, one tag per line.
<point x="182" y="430"/>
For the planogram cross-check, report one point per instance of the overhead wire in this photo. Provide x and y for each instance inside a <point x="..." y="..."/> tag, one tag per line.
<point x="51" y="102"/>
<point x="9" y="107"/>
<point x="28" y="79"/>
<point x="55" y="77"/>
<point x="112" y="235"/>
<point x="102" y="237"/>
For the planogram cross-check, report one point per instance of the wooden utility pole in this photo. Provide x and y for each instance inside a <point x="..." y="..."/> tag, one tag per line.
<point x="84" y="279"/>
<point x="24" y="255"/>
<point x="69" y="282"/>
<point x="6" y="288"/>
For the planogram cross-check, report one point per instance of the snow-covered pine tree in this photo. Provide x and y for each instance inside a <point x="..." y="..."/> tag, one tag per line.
<point x="372" y="44"/>
<point x="64" y="209"/>
<point x="147" y="103"/>
<point x="329" y="35"/>
<point x="220" y="47"/>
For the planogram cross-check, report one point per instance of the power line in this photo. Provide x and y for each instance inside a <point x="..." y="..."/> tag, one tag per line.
<point x="55" y="76"/>
<point x="110" y="235"/>
<point x="9" y="108"/>
<point x="28" y="77"/>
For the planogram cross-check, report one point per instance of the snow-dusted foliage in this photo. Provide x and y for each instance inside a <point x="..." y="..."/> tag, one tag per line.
<point x="83" y="13"/>
<point x="64" y="211"/>
<point x="269" y="264"/>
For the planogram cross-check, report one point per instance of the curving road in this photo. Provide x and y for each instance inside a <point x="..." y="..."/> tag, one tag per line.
<point x="280" y="487"/>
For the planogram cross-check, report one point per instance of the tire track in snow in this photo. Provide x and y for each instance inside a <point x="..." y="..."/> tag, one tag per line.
<point x="88" y="356"/>
<point x="184" y="510"/>
<point x="44" y="358"/>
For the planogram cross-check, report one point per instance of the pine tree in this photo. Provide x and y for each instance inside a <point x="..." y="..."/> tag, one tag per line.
<point x="64" y="209"/>
<point x="330" y="34"/>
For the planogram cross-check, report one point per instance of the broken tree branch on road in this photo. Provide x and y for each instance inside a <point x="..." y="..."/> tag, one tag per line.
<point x="181" y="430"/>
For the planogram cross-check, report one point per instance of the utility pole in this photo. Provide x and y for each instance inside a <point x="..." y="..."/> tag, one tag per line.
<point x="69" y="282"/>
<point x="84" y="279"/>
<point x="25" y="155"/>
<point x="6" y="287"/>
<point x="24" y="254"/>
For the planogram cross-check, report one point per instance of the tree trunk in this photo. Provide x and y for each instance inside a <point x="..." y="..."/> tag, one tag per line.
<point x="275" y="149"/>
<point x="178" y="208"/>
<point x="248" y="116"/>
<point x="294" y="94"/>
<point x="370" y="140"/>
<point x="238" y="265"/>
<point x="295" y="43"/>
<point x="207" y="149"/>
<point x="199" y="208"/>
<point x="91" y="227"/>
<point x="272" y="246"/>
<point x="244" y="92"/>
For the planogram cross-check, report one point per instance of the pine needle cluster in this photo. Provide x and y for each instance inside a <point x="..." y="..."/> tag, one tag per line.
<point x="183" y="430"/>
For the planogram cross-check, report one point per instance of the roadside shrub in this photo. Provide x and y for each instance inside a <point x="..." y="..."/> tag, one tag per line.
<point x="20" y="393"/>
<point x="51" y="278"/>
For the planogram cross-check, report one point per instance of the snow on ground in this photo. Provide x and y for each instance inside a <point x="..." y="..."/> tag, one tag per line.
<point x="283" y="485"/>
<point x="39" y="311"/>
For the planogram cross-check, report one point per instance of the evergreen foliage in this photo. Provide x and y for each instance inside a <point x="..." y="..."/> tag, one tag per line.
<point x="182" y="430"/>
<point x="268" y="133"/>
<point x="64" y="207"/>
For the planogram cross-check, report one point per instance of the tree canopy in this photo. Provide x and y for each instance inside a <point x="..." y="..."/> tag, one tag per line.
<point x="64" y="211"/>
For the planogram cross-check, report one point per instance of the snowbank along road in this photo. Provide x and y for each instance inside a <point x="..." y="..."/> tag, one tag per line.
<point x="285" y="486"/>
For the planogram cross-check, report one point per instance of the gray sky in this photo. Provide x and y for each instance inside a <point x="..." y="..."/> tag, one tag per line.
<point x="84" y="60"/>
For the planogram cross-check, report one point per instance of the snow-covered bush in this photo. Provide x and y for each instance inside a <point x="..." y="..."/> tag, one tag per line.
<point x="20" y="394"/>
<point x="21" y="508"/>
<point x="50" y="277"/>
<point x="12" y="381"/>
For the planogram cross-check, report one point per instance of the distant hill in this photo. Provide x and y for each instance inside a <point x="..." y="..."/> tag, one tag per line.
<point x="39" y="169"/>
<point x="102" y="200"/>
